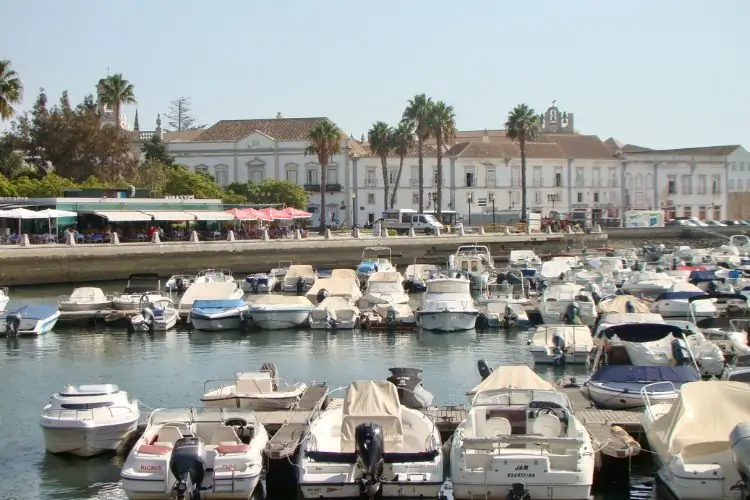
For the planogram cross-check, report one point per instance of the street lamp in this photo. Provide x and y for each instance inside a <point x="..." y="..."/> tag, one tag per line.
<point x="491" y="196"/>
<point x="553" y="198"/>
<point x="351" y="197"/>
<point x="469" y="200"/>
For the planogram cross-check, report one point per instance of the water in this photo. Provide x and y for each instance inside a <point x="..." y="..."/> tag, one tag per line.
<point x="169" y="370"/>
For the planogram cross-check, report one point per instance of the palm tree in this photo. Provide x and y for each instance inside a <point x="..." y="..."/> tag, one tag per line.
<point x="117" y="91"/>
<point x="522" y="127"/>
<point x="403" y="140"/>
<point x="416" y="113"/>
<point x="325" y="143"/>
<point x="442" y="124"/>
<point x="380" y="137"/>
<point x="11" y="90"/>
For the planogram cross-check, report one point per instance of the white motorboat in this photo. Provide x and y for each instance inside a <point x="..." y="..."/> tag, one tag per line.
<point x="563" y="302"/>
<point x="384" y="287"/>
<point x="86" y="420"/>
<point x="697" y="438"/>
<point x="179" y="282"/>
<point x="675" y="302"/>
<point x="280" y="312"/>
<point x="555" y="270"/>
<point x="159" y="316"/>
<point x="4" y="298"/>
<point x="373" y="261"/>
<point x="648" y="283"/>
<point x="201" y="290"/>
<point x="214" y="276"/>
<point x="343" y="287"/>
<point x="416" y="276"/>
<point x="561" y="344"/>
<point x="334" y="313"/>
<point x="259" y="283"/>
<point x="279" y="272"/>
<point x="85" y="298"/>
<point x="521" y="440"/>
<point x="474" y="249"/>
<point x="215" y="315"/>
<point x="299" y="278"/>
<point x="737" y="370"/>
<point x="141" y="289"/>
<point x="372" y="445"/>
<point x="475" y="262"/>
<point x="732" y="341"/>
<point x="258" y="391"/>
<point x="448" y="305"/>
<point x="389" y="317"/>
<point x="28" y="320"/>
<point x="212" y="452"/>
<point x="503" y="306"/>
<point x="524" y="258"/>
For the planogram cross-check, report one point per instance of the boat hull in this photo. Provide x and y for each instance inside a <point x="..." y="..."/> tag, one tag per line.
<point x="216" y="324"/>
<point x="402" y="490"/>
<point x="31" y="327"/>
<point x="239" y="488"/>
<point x="448" y="321"/>
<point x="84" y="306"/>
<point x="546" y="356"/>
<point x="257" y="404"/>
<point x="614" y="398"/>
<point x="490" y="490"/>
<point x="681" y="309"/>
<point x="87" y="441"/>
<point x="279" y="320"/>
<point x="324" y="325"/>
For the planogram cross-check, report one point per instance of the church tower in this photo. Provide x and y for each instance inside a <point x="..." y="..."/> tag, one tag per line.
<point x="106" y="113"/>
<point x="554" y="122"/>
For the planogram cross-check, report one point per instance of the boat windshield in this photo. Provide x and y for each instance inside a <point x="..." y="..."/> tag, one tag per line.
<point x="743" y="376"/>
<point x="522" y="397"/>
<point x="89" y="390"/>
<point x="86" y="406"/>
<point x="199" y="415"/>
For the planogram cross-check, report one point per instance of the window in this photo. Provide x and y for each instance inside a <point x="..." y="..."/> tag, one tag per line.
<point x="414" y="179"/>
<point x="717" y="212"/>
<point x="649" y="181"/>
<point x="716" y="184"/>
<point x="558" y="177"/>
<point x="392" y="175"/>
<point x="701" y="212"/>
<point x="371" y="179"/>
<point x="687" y="211"/>
<point x="201" y="169"/>
<point x="538" y="197"/>
<point x="256" y="175"/>
<point x="672" y="184"/>
<point x="731" y="185"/>
<point x="639" y="182"/>
<point x="469" y="178"/>
<point x="596" y="197"/>
<point x="742" y="166"/>
<point x="370" y="198"/>
<point x="415" y="198"/>
<point x="580" y="178"/>
<point x="291" y="175"/>
<point x="312" y="176"/>
<point x="579" y="197"/>
<point x="515" y="198"/>
<point x="734" y="166"/>
<point x="687" y="184"/>
<point x="536" y="180"/>
<point x="222" y="178"/>
<point x="701" y="184"/>
<point x="612" y="177"/>
<point x="332" y="176"/>
<point x="491" y="178"/>
<point x="515" y="176"/>
<point x="597" y="171"/>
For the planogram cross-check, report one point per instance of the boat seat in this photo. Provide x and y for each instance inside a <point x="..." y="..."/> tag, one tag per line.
<point x="168" y="436"/>
<point x="253" y="386"/>
<point x="225" y="436"/>
<point x="546" y="425"/>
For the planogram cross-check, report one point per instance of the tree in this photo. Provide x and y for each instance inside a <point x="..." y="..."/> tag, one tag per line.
<point x="7" y="189"/>
<point x="380" y="137"/>
<point x="11" y="90"/>
<point x="325" y="143"/>
<point x="12" y="163"/>
<point x="117" y="91"/>
<point x="271" y="192"/>
<point x="181" y="181"/>
<point x="416" y="113"/>
<point x="155" y="150"/>
<point x="522" y="126"/>
<point x="441" y="122"/>
<point x="403" y="141"/>
<point x="180" y="115"/>
<point x="51" y="186"/>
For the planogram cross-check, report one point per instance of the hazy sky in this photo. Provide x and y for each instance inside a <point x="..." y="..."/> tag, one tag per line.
<point x="660" y="73"/>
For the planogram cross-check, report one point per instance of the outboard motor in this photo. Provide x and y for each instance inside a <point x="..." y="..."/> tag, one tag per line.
<point x="149" y="317"/>
<point x="180" y="285"/>
<point x="390" y="319"/>
<point x="188" y="466"/>
<point x="711" y="287"/>
<point x="510" y="318"/>
<point x="484" y="369"/>
<point x="411" y="392"/>
<point x="681" y="353"/>
<point x="322" y="295"/>
<point x="596" y="292"/>
<point x="518" y="491"/>
<point x="571" y="314"/>
<point x="558" y="350"/>
<point x="739" y="445"/>
<point x="481" y="322"/>
<point x="370" y="448"/>
<point x="300" y="286"/>
<point x="629" y="307"/>
<point x="12" y="324"/>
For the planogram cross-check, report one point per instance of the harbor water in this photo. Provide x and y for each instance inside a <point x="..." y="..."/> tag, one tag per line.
<point x="168" y="370"/>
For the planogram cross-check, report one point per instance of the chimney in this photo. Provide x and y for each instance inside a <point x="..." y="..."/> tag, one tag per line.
<point x="278" y="115"/>
<point x="486" y="136"/>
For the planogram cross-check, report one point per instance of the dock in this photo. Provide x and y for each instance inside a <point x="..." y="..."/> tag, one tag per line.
<point x="103" y="315"/>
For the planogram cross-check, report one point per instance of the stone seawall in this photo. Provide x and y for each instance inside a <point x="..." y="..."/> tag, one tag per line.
<point x="48" y="264"/>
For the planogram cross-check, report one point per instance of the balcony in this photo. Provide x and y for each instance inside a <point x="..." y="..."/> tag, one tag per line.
<point x="331" y="188"/>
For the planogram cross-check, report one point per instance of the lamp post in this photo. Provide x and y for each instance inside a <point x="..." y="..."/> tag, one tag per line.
<point x="469" y="200"/>
<point x="492" y="200"/>
<point x="510" y="192"/>
<point x="351" y="197"/>
<point x="552" y="198"/>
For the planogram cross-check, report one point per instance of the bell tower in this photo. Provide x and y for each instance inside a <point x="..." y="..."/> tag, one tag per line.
<point x="554" y="122"/>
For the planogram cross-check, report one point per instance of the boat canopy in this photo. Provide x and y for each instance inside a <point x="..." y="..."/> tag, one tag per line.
<point x="719" y="295"/>
<point x="512" y="377"/>
<point x="645" y="374"/>
<point x="619" y="304"/>
<point x="680" y="295"/>
<point x="700" y="276"/>
<point x="641" y="332"/>
<point x="372" y="401"/>
<point x="218" y="303"/>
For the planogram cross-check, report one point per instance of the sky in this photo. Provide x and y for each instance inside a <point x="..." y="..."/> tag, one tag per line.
<point x="662" y="74"/>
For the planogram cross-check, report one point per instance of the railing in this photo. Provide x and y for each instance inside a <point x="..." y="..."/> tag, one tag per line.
<point x="645" y="394"/>
<point x="59" y="412"/>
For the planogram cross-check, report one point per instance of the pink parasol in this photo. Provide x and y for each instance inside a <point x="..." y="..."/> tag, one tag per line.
<point x="274" y="214"/>
<point x="296" y="213"/>
<point x="252" y="214"/>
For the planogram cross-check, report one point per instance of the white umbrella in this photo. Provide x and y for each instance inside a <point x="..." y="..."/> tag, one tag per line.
<point x="52" y="213"/>
<point x="20" y="213"/>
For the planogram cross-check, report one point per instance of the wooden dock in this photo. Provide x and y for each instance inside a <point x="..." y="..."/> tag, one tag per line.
<point x="101" y="316"/>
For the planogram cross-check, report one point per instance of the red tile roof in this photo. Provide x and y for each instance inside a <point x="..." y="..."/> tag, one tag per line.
<point x="282" y="129"/>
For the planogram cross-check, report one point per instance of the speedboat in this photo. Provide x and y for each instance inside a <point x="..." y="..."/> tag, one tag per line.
<point x="732" y="341"/>
<point x="524" y="258"/>
<point x="334" y="313"/>
<point x="371" y="446"/>
<point x="561" y="344"/>
<point x="29" y="320"/>
<point x="159" y="316"/>
<point x="474" y="261"/>
<point x="85" y="298"/>
<point x="648" y="283"/>
<point x="259" y="283"/>
<point x="218" y="315"/>
<point x="448" y="305"/>
<point x="738" y="369"/>
<point x="141" y="289"/>
<point x="179" y="282"/>
<point x="675" y="302"/>
<point x="389" y="317"/>
<point x="279" y="272"/>
<point x="373" y="261"/>
<point x="385" y="287"/>
<point x="4" y="298"/>
<point x="520" y="440"/>
<point x="215" y="290"/>
<point x="345" y="287"/>
<point x="214" y="276"/>
<point x="416" y="276"/>
<point x="86" y="420"/>
<point x="500" y="307"/>
<point x="259" y="391"/>
<point x="564" y="302"/>
<point x="189" y="453"/>
<point x="280" y="312"/>
<point x="299" y="278"/>
<point x="699" y="441"/>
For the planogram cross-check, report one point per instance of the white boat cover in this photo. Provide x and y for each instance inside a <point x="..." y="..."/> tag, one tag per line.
<point x="345" y="287"/>
<point x="704" y="413"/>
<point x="372" y="401"/>
<point x="339" y="308"/>
<point x="618" y="304"/>
<point x="345" y="274"/>
<point x="512" y="377"/>
<point x="214" y="290"/>
<point x="300" y="270"/>
<point x="578" y="336"/>
<point x="286" y="300"/>
<point x="88" y="294"/>
<point x="386" y="277"/>
<point x="403" y="311"/>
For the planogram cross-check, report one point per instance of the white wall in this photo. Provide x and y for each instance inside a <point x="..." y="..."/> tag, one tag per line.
<point x="739" y="171"/>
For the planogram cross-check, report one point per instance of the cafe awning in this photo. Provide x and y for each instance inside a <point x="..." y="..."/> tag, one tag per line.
<point x="170" y="216"/>
<point x="209" y="215"/>
<point x="123" y="216"/>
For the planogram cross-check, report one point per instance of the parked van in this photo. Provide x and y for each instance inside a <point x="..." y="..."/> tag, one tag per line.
<point x="403" y="219"/>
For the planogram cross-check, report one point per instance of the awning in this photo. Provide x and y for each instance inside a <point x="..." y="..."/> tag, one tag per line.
<point x="170" y="216"/>
<point x="212" y="216"/>
<point x="123" y="216"/>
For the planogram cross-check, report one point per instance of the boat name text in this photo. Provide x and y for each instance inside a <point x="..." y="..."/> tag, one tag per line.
<point x="151" y="468"/>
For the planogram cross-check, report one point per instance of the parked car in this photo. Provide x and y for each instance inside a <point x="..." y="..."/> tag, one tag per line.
<point x="732" y="223"/>
<point x="680" y="223"/>
<point x="715" y="223"/>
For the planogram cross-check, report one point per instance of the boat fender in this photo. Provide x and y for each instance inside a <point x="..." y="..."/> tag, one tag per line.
<point x="626" y="438"/>
<point x="484" y="369"/>
<point x="370" y="448"/>
<point x="13" y="324"/>
<point x="518" y="491"/>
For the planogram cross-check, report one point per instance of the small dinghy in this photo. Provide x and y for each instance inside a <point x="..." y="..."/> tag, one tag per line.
<point x="259" y="283"/>
<point x="255" y="390"/>
<point x="334" y="313"/>
<point x="159" y="316"/>
<point x="389" y="317"/>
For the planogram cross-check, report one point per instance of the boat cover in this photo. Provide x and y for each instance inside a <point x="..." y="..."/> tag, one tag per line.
<point x="205" y="304"/>
<point x="645" y="374"/>
<point x="641" y="332"/>
<point x="336" y="286"/>
<point x="512" y="377"/>
<point x="372" y="401"/>
<point x="701" y="276"/>
<point x="344" y="274"/>
<point x="618" y="304"/>
<point x="680" y="295"/>
<point x="300" y="270"/>
<point x="573" y="336"/>
<point x="703" y="413"/>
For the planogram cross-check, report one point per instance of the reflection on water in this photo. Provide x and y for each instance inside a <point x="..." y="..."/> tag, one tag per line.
<point x="168" y="369"/>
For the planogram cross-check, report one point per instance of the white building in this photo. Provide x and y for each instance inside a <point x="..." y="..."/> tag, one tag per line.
<point x="738" y="177"/>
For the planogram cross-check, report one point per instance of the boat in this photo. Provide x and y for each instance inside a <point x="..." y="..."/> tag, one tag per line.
<point x="384" y="287"/>
<point x="732" y="341"/>
<point x="280" y="312"/>
<point x="347" y="274"/>
<point x="623" y="304"/>
<point x="215" y="290"/>
<point x="28" y="320"/>
<point x="699" y="440"/>
<point x="86" y="420"/>
<point x="215" y="315"/>
<point x="259" y="283"/>
<point x="179" y="282"/>
<point x="502" y="306"/>
<point x="520" y="440"/>
<point x="411" y="391"/>
<point x="279" y="272"/>
<point x="474" y="249"/>
<point x="159" y="316"/>
<point x="475" y="262"/>
<point x="647" y="283"/>
<point x="335" y="286"/>
<point x="561" y="344"/>
<point x="556" y="269"/>
<point x="389" y="317"/>
<point x="448" y="305"/>
<point x="214" y="276"/>
<point x="564" y="302"/>
<point x="334" y="313"/>
<point x="258" y="391"/>
<point x="675" y="302"/>
<point x="140" y="290"/>
<point x="372" y="446"/>
<point x="416" y="276"/>
<point x="373" y="262"/>
<point x="524" y="258"/>
<point x="190" y="453"/>
<point x="4" y="298"/>
<point x="299" y="279"/>
<point x="738" y="369"/>
<point x="86" y="298"/>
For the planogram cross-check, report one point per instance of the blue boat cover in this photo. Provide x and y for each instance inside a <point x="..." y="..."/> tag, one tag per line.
<point x="679" y="295"/>
<point x="645" y="374"/>
<point x="701" y="276"/>
<point x="528" y="273"/>
<point x="32" y="311"/>
<point x="218" y="304"/>
<point x="367" y="266"/>
<point x="642" y="332"/>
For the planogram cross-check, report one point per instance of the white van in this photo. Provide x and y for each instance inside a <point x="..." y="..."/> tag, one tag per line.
<point x="403" y="219"/>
